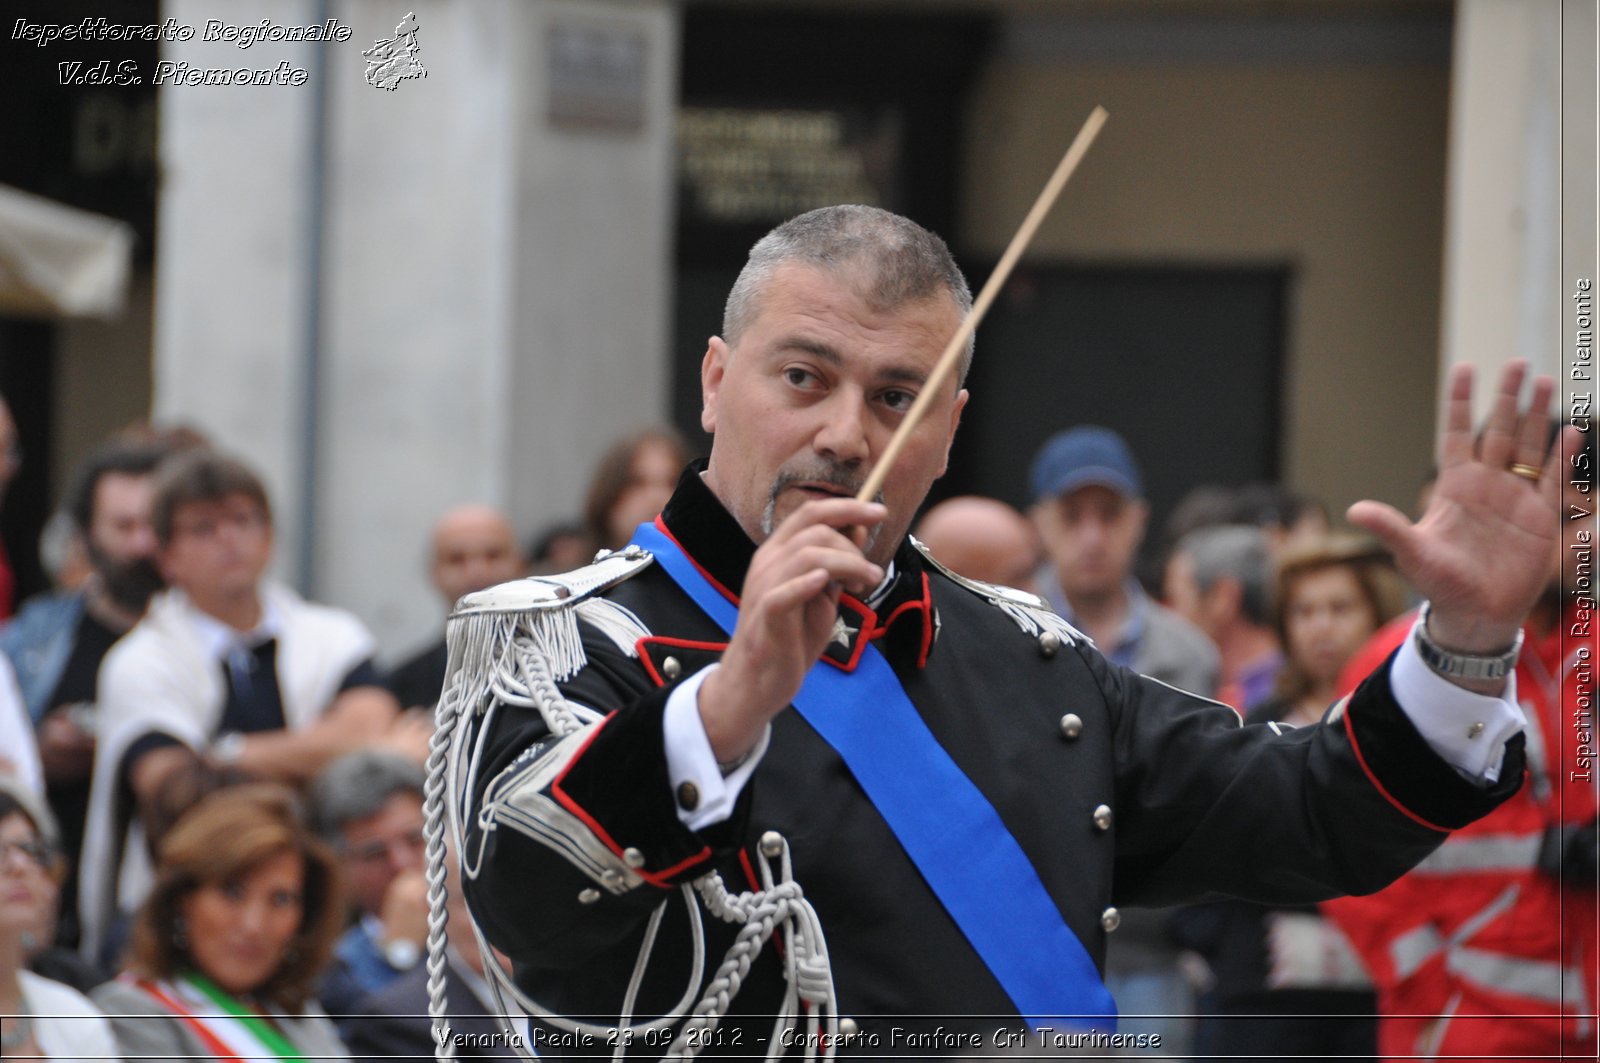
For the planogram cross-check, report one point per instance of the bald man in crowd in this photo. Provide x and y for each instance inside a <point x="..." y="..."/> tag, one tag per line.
<point x="982" y="539"/>
<point x="474" y="547"/>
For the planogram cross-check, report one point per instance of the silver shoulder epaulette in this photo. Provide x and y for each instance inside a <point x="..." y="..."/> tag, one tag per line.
<point x="1030" y="612"/>
<point x="556" y="591"/>
<point x="995" y="592"/>
<point x="540" y="614"/>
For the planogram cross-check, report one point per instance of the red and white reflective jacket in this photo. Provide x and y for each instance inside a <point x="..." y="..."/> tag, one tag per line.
<point x="1477" y="952"/>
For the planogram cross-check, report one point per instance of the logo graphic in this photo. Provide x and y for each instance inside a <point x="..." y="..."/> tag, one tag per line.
<point x="392" y="61"/>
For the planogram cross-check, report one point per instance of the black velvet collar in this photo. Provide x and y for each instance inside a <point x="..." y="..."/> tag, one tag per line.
<point x="714" y="539"/>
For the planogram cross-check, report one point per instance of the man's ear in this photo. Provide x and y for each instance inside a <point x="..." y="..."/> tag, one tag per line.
<point x="955" y="422"/>
<point x="1141" y="518"/>
<point x="713" y="367"/>
<point x="1041" y="517"/>
<point x="1226" y="597"/>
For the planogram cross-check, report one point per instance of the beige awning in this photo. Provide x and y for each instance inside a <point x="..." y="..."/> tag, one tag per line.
<point x="57" y="261"/>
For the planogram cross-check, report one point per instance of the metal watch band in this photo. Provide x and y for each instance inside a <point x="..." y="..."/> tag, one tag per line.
<point x="1463" y="665"/>
<point x="227" y="748"/>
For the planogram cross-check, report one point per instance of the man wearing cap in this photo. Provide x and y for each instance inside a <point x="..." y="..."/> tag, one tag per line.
<point x="1090" y="510"/>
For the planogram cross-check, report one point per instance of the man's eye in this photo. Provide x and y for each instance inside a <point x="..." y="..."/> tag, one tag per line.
<point x="896" y="399"/>
<point x="800" y="378"/>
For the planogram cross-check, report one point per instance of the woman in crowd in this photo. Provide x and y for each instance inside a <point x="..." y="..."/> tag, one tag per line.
<point x="1329" y="596"/>
<point x="632" y="482"/>
<point x="1287" y="983"/>
<point x="39" y="1019"/>
<point x="230" y="942"/>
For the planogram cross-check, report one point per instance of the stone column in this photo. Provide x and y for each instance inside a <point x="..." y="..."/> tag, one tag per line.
<point x="1520" y="215"/>
<point x="496" y="293"/>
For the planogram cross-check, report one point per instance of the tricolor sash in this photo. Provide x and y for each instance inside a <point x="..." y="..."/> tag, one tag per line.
<point x="229" y="1031"/>
<point x="944" y="823"/>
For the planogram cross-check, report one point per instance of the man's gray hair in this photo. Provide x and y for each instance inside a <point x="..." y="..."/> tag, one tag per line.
<point x="357" y="785"/>
<point x="902" y="263"/>
<point x="1239" y="551"/>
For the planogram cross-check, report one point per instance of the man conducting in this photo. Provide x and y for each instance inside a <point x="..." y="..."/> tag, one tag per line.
<point x="964" y="791"/>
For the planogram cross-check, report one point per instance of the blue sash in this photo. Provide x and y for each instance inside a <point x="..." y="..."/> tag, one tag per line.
<point x="946" y="826"/>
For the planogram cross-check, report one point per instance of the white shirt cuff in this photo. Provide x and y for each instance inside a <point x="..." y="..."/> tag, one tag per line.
<point x="690" y="759"/>
<point x="1469" y="731"/>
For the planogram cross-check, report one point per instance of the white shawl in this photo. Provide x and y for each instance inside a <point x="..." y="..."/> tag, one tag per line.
<point x="161" y="677"/>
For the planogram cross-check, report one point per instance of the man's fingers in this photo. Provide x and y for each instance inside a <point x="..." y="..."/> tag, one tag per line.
<point x="1500" y="431"/>
<point x="843" y="564"/>
<point x="795" y="592"/>
<point x="1455" y="446"/>
<point x="838" y="513"/>
<point x="1388" y="524"/>
<point x="1533" y="432"/>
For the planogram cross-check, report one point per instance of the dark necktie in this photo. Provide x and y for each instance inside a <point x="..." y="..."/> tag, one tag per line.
<point x="254" y="702"/>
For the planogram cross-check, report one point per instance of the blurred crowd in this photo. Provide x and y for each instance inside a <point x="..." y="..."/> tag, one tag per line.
<point x="211" y="796"/>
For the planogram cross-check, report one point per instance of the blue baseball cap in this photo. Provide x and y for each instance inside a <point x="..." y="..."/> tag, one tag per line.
<point x="1083" y="456"/>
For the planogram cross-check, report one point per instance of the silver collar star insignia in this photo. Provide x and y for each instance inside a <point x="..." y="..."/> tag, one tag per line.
<point x="842" y="633"/>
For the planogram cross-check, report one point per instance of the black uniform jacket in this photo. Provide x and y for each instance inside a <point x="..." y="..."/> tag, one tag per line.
<point x="1199" y="806"/>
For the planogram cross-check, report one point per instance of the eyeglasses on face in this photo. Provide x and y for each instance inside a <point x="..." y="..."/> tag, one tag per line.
<point x="34" y="851"/>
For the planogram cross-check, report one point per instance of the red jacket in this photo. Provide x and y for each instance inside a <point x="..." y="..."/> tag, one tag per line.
<point x="1478" y="952"/>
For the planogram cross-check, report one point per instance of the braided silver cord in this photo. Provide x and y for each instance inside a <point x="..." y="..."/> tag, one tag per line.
<point x="433" y="811"/>
<point x="563" y="717"/>
<point x="514" y="668"/>
<point x="761" y="912"/>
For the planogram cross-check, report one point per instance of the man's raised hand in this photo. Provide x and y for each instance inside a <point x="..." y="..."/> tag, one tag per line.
<point x="1485" y="548"/>
<point x="786" y="616"/>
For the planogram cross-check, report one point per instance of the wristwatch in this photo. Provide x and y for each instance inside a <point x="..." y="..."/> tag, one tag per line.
<point x="1463" y="665"/>
<point x="402" y="953"/>
<point x="227" y="748"/>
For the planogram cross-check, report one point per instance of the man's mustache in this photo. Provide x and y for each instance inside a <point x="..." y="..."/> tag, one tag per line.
<point x="846" y="477"/>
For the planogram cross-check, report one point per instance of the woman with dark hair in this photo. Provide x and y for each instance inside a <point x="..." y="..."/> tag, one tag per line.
<point x="39" y="1018"/>
<point x="231" y="941"/>
<point x="1286" y="982"/>
<point x="631" y="483"/>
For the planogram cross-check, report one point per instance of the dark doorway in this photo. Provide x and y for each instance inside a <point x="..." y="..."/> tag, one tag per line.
<point x="1184" y="362"/>
<point x="27" y="381"/>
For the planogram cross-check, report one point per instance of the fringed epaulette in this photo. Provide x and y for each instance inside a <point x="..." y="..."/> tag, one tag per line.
<point x="489" y="629"/>
<point x="1028" y="611"/>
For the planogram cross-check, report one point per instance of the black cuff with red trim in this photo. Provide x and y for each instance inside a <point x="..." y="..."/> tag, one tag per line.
<point x="620" y="781"/>
<point x="1403" y="763"/>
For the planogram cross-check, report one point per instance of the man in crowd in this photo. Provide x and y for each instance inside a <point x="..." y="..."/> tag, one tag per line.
<point x="227" y="668"/>
<point x="56" y="643"/>
<point x="393" y="1022"/>
<point x="368" y="805"/>
<point x="473" y="548"/>
<point x="983" y="539"/>
<point x="1090" y="510"/>
<point x="1220" y="580"/>
<point x="777" y="687"/>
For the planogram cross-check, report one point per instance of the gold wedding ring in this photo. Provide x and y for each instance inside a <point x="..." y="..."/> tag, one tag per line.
<point x="1527" y="472"/>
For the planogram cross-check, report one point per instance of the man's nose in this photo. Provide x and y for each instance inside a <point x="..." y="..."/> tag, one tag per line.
<point x="1093" y="530"/>
<point x="405" y="857"/>
<point x="144" y="540"/>
<point x="843" y="434"/>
